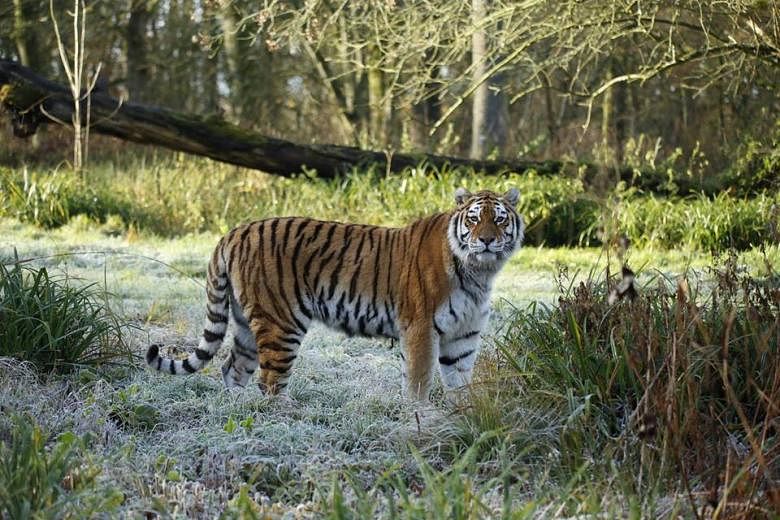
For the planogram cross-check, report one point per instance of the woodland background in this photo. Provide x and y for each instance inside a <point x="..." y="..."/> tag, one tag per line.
<point x="631" y="367"/>
<point x="689" y="86"/>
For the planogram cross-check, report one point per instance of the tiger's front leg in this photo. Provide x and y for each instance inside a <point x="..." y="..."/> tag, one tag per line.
<point x="457" y="357"/>
<point x="418" y="342"/>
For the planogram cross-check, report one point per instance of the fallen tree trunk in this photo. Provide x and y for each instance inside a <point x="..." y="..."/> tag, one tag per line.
<point x="32" y="100"/>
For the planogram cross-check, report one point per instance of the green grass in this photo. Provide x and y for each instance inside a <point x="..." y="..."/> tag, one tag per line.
<point x="49" y="480"/>
<point x="551" y="427"/>
<point x="676" y="390"/>
<point x="699" y="222"/>
<point x="54" y="324"/>
<point x="196" y="195"/>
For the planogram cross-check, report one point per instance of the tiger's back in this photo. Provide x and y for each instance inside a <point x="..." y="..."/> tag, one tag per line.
<point x="276" y="276"/>
<point x="347" y="276"/>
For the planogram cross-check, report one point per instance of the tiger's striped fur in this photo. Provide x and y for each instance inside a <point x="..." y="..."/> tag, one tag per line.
<point x="427" y="284"/>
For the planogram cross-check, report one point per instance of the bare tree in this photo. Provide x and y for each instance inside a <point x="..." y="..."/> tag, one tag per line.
<point x="480" y="99"/>
<point x="138" y="66"/>
<point x="74" y="62"/>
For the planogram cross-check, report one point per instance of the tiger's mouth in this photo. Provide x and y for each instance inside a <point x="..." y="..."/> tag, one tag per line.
<point x="490" y="254"/>
<point x="487" y="256"/>
<point x="493" y="248"/>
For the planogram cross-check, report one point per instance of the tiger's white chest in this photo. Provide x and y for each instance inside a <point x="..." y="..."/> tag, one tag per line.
<point x="465" y="310"/>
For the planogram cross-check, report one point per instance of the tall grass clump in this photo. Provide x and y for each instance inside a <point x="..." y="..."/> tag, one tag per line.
<point x="49" y="199"/>
<point x="676" y="390"/>
<point x="196" y="195"/>
<point x="180" y="198"/>
<point x="55" y="324"/>
<point x="56" y="481"/>
<point x="699" y="222"/>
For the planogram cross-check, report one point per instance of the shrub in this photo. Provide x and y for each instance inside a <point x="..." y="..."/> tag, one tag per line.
<point x="55" y="325"/>
<point x="757" y="166"/>
<point x="699" y="222"/>
<point x="51" y="199"/>
<point x="41" y="201"/>
<point x="180" y="198"/>
<point x="53" y="482"/>
<point x="679" y="383"/>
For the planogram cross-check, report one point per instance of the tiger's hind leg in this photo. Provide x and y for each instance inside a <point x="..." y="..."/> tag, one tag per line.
<point x="277" y="346"/>
<point x="242" y="362"/>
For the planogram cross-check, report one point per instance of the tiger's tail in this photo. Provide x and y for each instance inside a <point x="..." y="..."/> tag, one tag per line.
<point x="216" y="323"/>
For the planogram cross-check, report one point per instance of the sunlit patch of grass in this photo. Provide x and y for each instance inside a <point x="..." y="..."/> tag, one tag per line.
<point x="699" y="222"/>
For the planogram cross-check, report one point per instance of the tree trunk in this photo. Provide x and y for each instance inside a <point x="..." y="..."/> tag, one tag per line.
<point x="552" y="127"/>
<point x="234" y="59"/>
<point x="26" y="43"/>
<point x="29" y="97"/>
<point x="480" y="99"/>
<point x="20" y="34"/>
<point x="377" y="135"/>
<point x="621" y="95"/>
<point x="497" y="116"/>
<point x="605" y="154"/>
<point x="417" y="118"/>
<point x="138" y="72"/>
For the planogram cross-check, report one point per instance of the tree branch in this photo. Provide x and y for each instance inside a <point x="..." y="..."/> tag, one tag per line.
<point x="32" y="100"/>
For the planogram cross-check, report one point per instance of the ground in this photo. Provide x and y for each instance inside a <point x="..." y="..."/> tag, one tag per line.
<point x="185" y="445"/>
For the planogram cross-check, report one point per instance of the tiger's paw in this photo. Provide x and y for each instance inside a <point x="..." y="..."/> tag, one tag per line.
<point x="457" y="397"/>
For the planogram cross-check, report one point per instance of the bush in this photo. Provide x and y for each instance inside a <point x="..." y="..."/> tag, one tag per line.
<point x="52" y="199"/>
<point x="180" y="198"/>
<point x="699" y="222"/>
<point x="41" y="201"/>
<point x="677" y="384"/>
<point x="54" y="482"/>
<point x="757" y="167"/>
<point x="54" y="325"/>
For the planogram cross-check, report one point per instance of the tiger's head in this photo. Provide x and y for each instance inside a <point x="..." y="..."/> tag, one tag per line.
<point x="485" y="229"/>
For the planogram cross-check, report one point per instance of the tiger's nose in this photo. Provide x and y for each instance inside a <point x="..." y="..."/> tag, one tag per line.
<point x="487" y="240"/>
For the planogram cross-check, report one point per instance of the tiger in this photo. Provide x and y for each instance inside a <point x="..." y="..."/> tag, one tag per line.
<point x="427" y="284"/>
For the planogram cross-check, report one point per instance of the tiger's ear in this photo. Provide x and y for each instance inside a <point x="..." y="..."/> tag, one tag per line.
<point x="461" y="194"/>
<point x="512" y="196"/>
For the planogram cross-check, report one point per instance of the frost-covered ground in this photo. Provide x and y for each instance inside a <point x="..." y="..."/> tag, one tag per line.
<point x="184" y="445"/>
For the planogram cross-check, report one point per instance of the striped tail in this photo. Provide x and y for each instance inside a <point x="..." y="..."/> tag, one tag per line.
<point x="215" y="327"/>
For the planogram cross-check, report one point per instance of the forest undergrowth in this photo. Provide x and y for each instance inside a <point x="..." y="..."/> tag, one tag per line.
<point x="186" y="195"/>
<point x="659" y="403"/>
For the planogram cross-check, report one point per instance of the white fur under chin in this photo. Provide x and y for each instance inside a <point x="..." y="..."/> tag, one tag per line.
<point x="485" y="262"/>
<point x="486" y="257"/>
